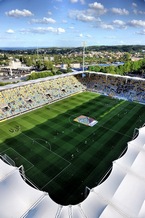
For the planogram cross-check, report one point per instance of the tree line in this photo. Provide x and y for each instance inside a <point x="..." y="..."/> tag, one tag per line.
<point x="43" y="74"/>
<point x="65" y="50"/>
<point x="129" y="67"/>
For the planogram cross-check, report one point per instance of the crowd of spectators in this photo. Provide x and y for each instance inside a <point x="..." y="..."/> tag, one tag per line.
<point x="20" y="98"/>
<point x="131" y="89"/>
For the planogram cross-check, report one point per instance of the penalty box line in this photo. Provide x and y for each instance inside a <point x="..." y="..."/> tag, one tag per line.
<point x="32" y="165"/>
<point x="69" y="163"/>
<point x="56" y="176"/>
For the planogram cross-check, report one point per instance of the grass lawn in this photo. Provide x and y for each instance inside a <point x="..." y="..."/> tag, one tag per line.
<point x="61" y="156"/>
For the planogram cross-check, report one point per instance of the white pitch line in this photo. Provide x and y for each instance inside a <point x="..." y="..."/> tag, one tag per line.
<point x="47" y="148"/>
<point x="32" y="165"/>
<point x="5" y="150"/>
<point x="56" y="175"/>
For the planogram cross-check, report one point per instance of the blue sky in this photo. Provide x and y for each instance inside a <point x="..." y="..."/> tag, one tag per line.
<point x="65" y="23"/>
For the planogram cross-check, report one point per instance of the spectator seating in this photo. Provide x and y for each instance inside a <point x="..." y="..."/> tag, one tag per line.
<point x="22" y="97"/>
<point x="29" y="95"/>
<point x="131" y="89"/>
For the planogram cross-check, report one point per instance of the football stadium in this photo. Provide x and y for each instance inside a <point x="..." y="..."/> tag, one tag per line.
<point x="73" y="146"/>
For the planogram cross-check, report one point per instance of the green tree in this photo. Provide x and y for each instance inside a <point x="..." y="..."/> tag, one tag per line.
<point x="48" y="65"/>
<point x="126" y="57"/>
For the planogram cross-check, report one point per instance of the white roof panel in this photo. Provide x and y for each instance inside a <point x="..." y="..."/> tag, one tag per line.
<point x="16" y="196"/>
<point x="44" y="208"/>
<point x="5" y="169"/>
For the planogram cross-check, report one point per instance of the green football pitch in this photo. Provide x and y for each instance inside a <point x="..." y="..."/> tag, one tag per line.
<point x="63" y="157"/>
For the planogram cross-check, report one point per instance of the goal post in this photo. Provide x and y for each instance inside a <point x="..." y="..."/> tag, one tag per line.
<point x="135" y="133"/>
<point x="9" y="160"/>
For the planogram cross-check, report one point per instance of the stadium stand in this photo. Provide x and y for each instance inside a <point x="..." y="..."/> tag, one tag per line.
<point x="121" y="195"/>
<point x="22" y="97"/>
<point x="122" y="87"/>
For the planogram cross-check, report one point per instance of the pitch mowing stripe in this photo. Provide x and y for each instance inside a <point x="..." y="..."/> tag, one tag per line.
<point x="118" y="114"/>
<point x="125" y="122"/>
<point x="112" y="109"/>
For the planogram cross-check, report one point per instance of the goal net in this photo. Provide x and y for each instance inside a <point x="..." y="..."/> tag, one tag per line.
<point x="9" y="160"/>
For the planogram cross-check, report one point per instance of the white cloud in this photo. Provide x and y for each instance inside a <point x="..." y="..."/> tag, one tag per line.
<point x="42" y="30"/>
<point x="49" y="13"/>
<point x="19" y="13"/>
<point x="134" y="4"/>
<point x="85" y="18"/>
<point x="135" y="9"/>
<point x="98" y="7"/>
<point x="120" y="11"/>
<point x="91" y="14"/>
<point x="81" y="16"/>
<point x="106" y="26"/>
<point x="10" y="31"/>
<point x="60" y="30"/>
<point x="137" y="23"/>
<point x="141" y="32"/>
<point x="44" y="20"/>
<point x="119" y="24"/>
<point x="75" y="1"/>
<point x="140" y="12"/>
<point x="81" y="35"/>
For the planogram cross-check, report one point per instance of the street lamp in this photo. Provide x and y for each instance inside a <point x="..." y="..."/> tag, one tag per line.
<point x="84" y="44"/>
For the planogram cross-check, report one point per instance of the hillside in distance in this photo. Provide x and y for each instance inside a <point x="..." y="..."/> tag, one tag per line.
<point x="66" y="50"/>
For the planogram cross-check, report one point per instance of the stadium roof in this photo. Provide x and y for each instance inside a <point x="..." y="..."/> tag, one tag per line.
<point x="29" y="82"/>
<point x="10" y="86"/>
<point x="121" y="195"/>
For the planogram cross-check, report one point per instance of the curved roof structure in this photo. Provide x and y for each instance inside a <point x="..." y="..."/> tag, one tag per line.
<point x="121" y="195"/>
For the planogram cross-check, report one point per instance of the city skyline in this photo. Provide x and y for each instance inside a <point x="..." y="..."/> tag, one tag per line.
<point x="68" y="23"/>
